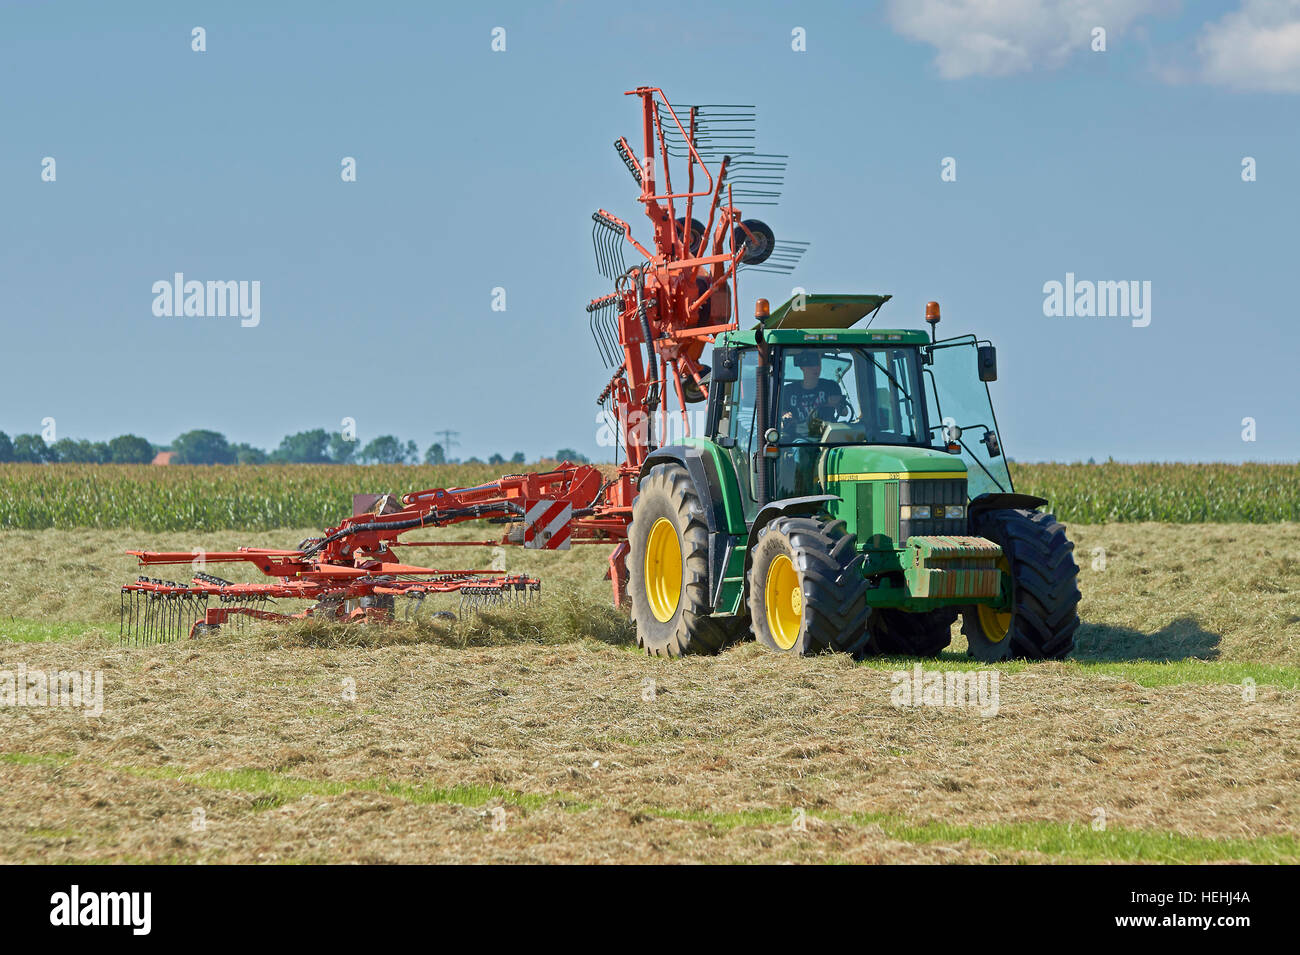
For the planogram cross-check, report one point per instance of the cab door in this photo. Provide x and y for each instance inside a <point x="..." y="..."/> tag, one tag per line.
<point x="738" y="423"/>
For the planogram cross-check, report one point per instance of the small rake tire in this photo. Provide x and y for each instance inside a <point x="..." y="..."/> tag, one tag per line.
<point x="898" y="633"/>
<point x="832" y="610"/>
<point x="666" y="508"/>
<point x="1045" y="591"/>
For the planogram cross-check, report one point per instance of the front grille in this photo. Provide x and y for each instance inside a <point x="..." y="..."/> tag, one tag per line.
<point x="943" y="491"/>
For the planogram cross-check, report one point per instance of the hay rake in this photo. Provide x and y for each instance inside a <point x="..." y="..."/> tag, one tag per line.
<point x="160" y="611"/>
<point x="352" y="572"/>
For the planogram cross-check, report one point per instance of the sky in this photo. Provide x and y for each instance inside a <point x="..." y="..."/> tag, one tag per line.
<point x="478" y="169"/>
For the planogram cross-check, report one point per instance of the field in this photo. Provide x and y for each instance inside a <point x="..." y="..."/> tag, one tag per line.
<point x="263" y="497"/>
<point x="1172" y="734"/>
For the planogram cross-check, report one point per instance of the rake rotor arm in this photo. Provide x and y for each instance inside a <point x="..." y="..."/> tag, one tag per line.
<point x="273" y="563"/>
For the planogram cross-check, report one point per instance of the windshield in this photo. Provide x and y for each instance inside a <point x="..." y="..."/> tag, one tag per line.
<point x="846" y="395"/>
<point x="956" y="396"/>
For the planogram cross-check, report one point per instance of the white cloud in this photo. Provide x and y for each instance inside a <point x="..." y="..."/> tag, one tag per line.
<point x="1001" y="37"/>
<point x="1254" y="48"/>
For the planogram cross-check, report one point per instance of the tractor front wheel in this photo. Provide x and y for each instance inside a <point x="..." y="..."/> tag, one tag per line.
<point x="806" y="589"/>
<point x="1038" y="560"/>
<point x="668" y="569"/>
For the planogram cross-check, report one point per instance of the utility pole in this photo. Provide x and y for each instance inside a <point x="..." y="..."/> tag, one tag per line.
<point x="448" y="439"/>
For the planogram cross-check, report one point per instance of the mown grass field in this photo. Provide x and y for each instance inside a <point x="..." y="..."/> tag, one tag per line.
<point x="544" y="735"/>
<point x="144" y="497"/>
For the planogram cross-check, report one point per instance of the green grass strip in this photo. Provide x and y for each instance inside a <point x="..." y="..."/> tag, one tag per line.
<point x="29" y="630"/>
<point x="1149" y="673"/>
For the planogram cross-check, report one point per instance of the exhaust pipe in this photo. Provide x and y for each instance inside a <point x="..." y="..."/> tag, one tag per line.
<point x="760" y="407"/>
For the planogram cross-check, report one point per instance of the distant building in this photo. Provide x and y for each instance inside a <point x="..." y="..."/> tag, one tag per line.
<point x="163" y="457"/>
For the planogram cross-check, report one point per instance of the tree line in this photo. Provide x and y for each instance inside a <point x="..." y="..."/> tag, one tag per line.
<point x="212" y="447"/>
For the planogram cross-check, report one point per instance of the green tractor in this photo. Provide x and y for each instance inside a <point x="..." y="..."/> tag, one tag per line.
<point x="849" y="493"/>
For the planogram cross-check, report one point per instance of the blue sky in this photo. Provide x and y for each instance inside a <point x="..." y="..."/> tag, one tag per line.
<point x="479" y="169"/>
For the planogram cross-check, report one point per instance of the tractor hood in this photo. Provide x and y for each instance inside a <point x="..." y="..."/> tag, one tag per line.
<point x="885" y="463"/>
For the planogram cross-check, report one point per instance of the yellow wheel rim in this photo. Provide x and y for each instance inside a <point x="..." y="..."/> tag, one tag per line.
<point x="996" y="624"/>
<point x="784" y="602"/>
<point x="663" y="570"/>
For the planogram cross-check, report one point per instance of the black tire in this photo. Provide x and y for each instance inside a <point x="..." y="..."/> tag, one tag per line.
<point x="757" y="249"/>
<point x="693" y="243"/>
<point x="1044" y="591"/>
<point x="668" y="494"/>
<point x="832" y="592"/>
<point x="898" y="633"/>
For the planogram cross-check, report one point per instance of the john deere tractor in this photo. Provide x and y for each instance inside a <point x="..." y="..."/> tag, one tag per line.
<point x="850" y="493"/>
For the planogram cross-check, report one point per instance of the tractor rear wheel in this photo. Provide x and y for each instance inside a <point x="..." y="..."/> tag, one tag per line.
<point x="668" y="569"/>
<point x="806" y="589"/>
<point x="1044" y="615"/>
<point x="898" y="633"/>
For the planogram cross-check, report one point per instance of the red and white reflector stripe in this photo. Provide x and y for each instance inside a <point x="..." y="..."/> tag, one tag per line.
<point x="547" y="525"/>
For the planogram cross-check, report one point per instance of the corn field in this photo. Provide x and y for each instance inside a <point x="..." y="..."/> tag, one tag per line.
<point x="1171" y="493"/>
<point x="265" y="497"/>
<point x="252" y="497"/>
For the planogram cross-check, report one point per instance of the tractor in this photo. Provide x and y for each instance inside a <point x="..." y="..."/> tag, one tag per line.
<point x="849" y="493"/>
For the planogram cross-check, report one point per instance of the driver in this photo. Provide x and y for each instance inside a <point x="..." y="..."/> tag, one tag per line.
<point x="806" y="404"/>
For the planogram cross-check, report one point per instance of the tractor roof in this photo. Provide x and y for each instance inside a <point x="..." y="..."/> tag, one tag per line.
<point x="880" y="337"/>
<point x="824" y="311"/>
<point x="813" y="319"/>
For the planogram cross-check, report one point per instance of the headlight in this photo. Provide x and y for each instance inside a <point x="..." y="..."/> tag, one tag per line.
<point x="915" y="512"/>
<point x="953" y="512"/>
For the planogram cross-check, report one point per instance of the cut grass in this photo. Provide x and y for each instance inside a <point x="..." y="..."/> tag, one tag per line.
<point x="543" y="710"/>
<point x="710" y="768"/>
<point x="1064" y="842"/>
<point x="1151" y="592"/>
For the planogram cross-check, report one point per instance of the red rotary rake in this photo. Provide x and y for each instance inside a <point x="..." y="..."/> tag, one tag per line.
<point x="651" y="330"/>
<point x="352" y="573"/>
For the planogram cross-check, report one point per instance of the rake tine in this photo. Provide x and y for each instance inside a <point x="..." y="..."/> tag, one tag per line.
<point x="601" y="331"/>
<point x="611" y="333"/>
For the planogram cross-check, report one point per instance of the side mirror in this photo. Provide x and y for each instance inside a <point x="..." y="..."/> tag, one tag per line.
<point x="986" y="356"/>
<point x="726" y="367"/>
<point x="990" y="440"/>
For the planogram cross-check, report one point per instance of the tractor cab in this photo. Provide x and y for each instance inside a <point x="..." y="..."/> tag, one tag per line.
<point x="845" y="405"/>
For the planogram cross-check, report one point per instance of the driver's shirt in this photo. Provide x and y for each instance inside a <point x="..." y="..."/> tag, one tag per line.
<point x="825" y="400"/>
